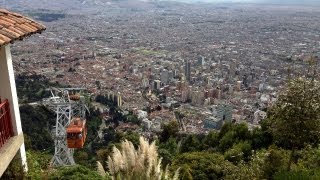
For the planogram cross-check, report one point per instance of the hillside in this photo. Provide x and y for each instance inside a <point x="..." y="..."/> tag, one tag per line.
<point x="273" y="151"/>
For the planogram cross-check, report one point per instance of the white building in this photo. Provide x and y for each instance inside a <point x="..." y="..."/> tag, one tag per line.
<point x="146" y="123"/>
<point x="258" y="116"/>
<point x="164" y="77"/>
<point x="142" y="114"/>
<point x="13" y="27"/>
<point x="157" y="84"/>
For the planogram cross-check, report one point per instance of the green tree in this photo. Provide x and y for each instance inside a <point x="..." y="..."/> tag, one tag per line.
<point x="36" y="124"/>
<point x="231" y="134"/>
<point x="38" y="163"/>
<point x="132" y="118"/>
<point x="168" y="150"/>
<point x="296" y="175"/>
<point x="203" y="165"/>
<point x="238" y="152"/>
<point x="241" y="131"/>
<point x="211" y="141"/>
<point x="169" y="130"/>
<point x="225" y="128"/>
<point x="275" y="160"/>
<point x="227" y="141"/>
<point x="185" y="173"/>
<point x="295" y="118"/>
<point x="261" y="137"/>
<point x="310" y="158"/>
<point x="190" y="143"/>
<point x="76" y="172"/>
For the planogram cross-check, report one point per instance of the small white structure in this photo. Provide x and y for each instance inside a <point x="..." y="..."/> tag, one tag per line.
<point x="146" y="123"/>
<point x="265" y="98"/>
<point x="258" y="116"/>
<point x="142" y="114"/>
<point x="13" y="27"/>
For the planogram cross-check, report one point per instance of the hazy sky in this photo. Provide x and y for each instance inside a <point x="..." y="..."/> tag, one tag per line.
<point x="261" y="1"/>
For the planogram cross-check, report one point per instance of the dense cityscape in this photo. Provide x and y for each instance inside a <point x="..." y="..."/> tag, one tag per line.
<point x="207" y="62"/>
<point x="216" y="90"/>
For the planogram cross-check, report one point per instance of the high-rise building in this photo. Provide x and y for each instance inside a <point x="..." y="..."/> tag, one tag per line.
<point x="171" y="75"/>
<point x="176" y="73"/>
<point x="184" y="95"/>
<point x="209" y="81"/>
<point x="145" y="82"/>
<point x="187" y="70"/>
<point x="197" y="97"/>
<point x="201" y="61"/>
<point x="239" y="85"/>
<point x="110" y="96"/>
<point x="156" y="84"/>
<point x="232" y="70"/>
<point x="224" y="112"/>
<point x="119" y="99"/>
<point x="164" y="77"/>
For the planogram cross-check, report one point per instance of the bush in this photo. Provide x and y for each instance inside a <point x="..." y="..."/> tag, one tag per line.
<point x="76" y="172"/>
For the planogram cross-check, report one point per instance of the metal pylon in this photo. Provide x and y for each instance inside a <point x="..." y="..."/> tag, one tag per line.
<point x="62" y="154"/>
<point x="65" y="109"/>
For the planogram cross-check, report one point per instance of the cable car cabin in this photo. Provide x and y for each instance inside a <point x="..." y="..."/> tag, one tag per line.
<point x="76" y="133"/>
<point x="74" y="97"/>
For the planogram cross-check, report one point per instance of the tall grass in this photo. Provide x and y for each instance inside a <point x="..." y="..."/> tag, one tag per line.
<point x="137" y="164"/>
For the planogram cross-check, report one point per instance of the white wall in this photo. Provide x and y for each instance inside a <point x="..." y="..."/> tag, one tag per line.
<point x="8" y="91"/>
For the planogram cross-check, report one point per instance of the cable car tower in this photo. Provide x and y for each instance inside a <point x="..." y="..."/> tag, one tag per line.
<point x="68" y="105"/>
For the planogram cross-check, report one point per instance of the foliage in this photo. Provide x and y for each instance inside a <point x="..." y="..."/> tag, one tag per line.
<point x="148" y="52"/>
<point x="38" y="163"/>
<point x="190" y="143"/>
<point x="211" y="141"/>
<point x="32" y="88"/>
<point x="261" y="137"/>
<point x="297" y="175"/>
<point x="310" y="158"/>
<point x="114" y="137"/>
<point x="289" y="136"/>
<point x="36" y="124"/>
<point x="93" y="122"/>
<point x="227" y="141"/>
<point x="76" y="172"/>
<point x="275" y="160"/>
<point x="264" y="164"/>
<point x="132" y="119"/>
<point x="232" y="134"/>
<point x="238" y="152"/>
<point x="295" y="118"/>
<point x="143" y="163"/>
<point x="14" y="170"/>
<point x="81" y="156"/>
<point x="168" y="150"/>
<point x="202" y="165"/>
<point x="249" y="170"/>
<point x="105" y="100"/>
<point x="169" y="130"/>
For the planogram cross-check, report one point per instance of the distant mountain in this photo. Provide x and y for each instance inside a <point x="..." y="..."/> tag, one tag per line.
<point x="289" y="2"/>
<point x="95" y="6"/>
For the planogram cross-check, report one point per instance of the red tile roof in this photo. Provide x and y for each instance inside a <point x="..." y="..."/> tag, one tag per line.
<point x="14" y="26"/>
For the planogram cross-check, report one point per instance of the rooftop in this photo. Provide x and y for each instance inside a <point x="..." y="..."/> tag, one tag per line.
<point x="14" y="26"/>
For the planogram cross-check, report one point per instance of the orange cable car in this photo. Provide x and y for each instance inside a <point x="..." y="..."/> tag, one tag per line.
<point x="74" y="97"/>
<point x="76" y="133"/>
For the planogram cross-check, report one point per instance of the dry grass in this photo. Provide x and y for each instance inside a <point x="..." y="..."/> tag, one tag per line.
<point x="133" y="164"/>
